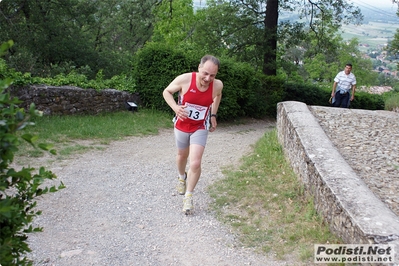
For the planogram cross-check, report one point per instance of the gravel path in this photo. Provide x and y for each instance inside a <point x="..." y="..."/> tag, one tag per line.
<point x="120" y="206"/>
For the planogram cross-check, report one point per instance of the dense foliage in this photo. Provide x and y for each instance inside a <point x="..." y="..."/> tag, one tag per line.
<point x="246" y="93"/>
<point x="393" y="47"/>
<point x="121" y="82"/>
<point x="319" y="95"/>
<point x="86" y="37"/>
<point x="18" y="188"/>
<point x="58" y="36"/>
<point x="140" y="46"/>
<point x="156" y="66"/>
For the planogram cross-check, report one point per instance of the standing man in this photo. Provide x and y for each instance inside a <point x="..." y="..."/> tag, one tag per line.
<point x="199" y="96"/>
<point x="344" y="83"/>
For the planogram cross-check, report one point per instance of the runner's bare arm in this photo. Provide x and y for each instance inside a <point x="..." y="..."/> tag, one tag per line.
<point x="179" y="84"/>
<point x="217" y="97"/>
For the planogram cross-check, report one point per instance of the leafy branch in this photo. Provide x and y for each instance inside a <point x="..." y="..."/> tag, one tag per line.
<point x="18" y="188"/>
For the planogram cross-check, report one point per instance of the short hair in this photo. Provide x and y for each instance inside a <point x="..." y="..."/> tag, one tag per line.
<point x="210" y="58"/>
<point x="349" y="64"/>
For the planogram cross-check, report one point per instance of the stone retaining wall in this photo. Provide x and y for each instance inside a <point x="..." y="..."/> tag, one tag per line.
<point x="67" y="100"/>
<point x="345" y="202"/>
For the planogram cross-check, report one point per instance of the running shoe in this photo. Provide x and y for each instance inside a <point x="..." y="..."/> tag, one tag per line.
<point x="181" y="186"/>
<point x="188" y="207"/>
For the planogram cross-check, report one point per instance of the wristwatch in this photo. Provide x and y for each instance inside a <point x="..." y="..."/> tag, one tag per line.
<point x="215" y="115"/>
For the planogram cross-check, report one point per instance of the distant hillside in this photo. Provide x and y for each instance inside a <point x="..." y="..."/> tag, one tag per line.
<point x="385" y="15"/>
<point x="377" y="29"/>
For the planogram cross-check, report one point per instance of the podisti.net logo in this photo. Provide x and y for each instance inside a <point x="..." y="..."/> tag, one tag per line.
<point x="354" y="253"/>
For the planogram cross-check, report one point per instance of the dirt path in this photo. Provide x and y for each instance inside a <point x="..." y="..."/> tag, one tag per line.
<point x="120" y="206"/>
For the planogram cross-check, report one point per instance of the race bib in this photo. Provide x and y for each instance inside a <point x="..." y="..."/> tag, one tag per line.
<point x="196" y="112"/>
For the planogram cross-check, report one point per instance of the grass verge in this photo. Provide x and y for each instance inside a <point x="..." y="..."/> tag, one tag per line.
<point x="265" y="204"/>
<point x="392" y="102"/>
<point x="80" y="133"/>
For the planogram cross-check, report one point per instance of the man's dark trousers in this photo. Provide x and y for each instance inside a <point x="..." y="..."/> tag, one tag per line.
<point x="341" y="100"/>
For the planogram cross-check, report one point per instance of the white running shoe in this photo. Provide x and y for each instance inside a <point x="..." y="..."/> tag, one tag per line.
<point x="181" y="186"/>
<point x="188" y="207"/>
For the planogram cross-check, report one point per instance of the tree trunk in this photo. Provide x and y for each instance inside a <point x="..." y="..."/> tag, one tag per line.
<point x="270" y="45"/>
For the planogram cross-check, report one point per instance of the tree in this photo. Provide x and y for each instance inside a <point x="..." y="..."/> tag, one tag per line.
<point x="250" y="29"/>
<point x="48" y="31"/>
<point x="175" y="21"/>
<point x="323" y="67"/>
<point x="270" y="38"/>
<point x="393" y="45"/>
<point x="63" y="35"/>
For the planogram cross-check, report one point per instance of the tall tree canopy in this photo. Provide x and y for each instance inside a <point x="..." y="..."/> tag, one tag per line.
<point x="250" y="29"/>
<point x="89" y="35"/>
<point x="80" y="33"/>
<point x="174" y="21"/>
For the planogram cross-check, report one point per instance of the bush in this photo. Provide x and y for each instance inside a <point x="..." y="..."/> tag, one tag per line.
<point x="156" y="66"/>
<point x="307" y="93"/>
<point x="245" y="93"/>
<point x="18" y="188"/>
<point x="316" y="95"/>
<point x="120" y="82"/>
<point x="391" y="100"/>
<point x="364" y="100"/>
<point x="241" y="90"/>
<point x="273" y="93"/>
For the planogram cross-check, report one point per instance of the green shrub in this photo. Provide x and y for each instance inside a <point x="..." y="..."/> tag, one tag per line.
<point x="318" y="95"/>
<point x="18" y="188"/>
<point x="156" y="66"/>
<point x="120" y="82"/>
<point x="307" y="93"/>
<point x="367" y="101"/>
<point x="273" y="93"/>
<point x="241" y="89"/>
<point x="235" y="85"/>
<point x="245" y="93"/>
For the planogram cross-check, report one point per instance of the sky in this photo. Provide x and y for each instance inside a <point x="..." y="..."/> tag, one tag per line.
<point x="374" y="3"/>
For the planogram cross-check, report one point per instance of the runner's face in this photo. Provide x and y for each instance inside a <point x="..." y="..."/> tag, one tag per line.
<point x="207" y="72"/>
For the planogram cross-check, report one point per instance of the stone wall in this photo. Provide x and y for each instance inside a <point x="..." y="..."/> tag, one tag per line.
<point x="344" y="201"/>
<point x="67" y="100"/>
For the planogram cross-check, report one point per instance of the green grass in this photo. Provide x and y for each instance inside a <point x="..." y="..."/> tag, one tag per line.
<point x="392" y="102"/>
<point x="106" y="126"/>
<point x="265" y="204"/>
<point x="80" y="133"/>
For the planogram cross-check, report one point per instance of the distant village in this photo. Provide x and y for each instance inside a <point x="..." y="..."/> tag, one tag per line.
<point x="388" y="62"/>
<point x="383" y="62"/>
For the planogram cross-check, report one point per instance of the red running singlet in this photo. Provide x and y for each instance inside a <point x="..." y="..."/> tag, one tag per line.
<point x="198" y="105"/>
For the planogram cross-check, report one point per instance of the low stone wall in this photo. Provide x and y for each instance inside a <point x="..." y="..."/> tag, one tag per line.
<point x="345" y="202"/>
<point x="67" y="100"/>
